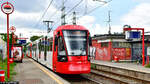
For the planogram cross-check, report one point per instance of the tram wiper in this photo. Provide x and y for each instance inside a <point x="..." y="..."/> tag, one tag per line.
<point x="72" y="53"/>
<point x="82" y="51"/>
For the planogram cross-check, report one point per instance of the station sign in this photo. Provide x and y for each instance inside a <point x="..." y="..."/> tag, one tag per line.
<point x="133" y="35"/>
<point x="22" y="41"/>
<point x="7" y="8"/>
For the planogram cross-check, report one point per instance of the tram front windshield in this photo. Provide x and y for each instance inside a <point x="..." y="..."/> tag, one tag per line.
<point x="76" y="42"/>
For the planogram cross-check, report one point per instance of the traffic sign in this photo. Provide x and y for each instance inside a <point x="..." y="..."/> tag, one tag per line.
<point x="7" y="8"/>
<point x="12" y="29"/>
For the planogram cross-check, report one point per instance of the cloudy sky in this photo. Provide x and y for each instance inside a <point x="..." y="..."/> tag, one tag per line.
<point x="29" y="15"/>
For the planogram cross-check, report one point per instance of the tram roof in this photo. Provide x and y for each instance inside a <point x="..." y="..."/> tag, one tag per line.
<point x="70" y="27"/>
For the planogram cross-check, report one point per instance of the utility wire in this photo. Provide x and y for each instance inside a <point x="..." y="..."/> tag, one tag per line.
<point x="69" y="11"/>
<point x="74" y="7"/>
<point x="44" y="13"/>
<point x="57" y="11"/>
<point x="84" y="13"/>
<point x="97" y="7"/>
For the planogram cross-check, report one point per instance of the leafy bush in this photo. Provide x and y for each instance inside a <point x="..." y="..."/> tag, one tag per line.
<point x="147" y="65"/>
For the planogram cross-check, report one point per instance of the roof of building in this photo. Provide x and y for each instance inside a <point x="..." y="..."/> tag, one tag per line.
<point x="118" y="37"/>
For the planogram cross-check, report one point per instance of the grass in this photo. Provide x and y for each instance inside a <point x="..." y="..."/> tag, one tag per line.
<point x="93" y="66"/>
<point x="147" y="65"/>
<point x="3" y="66"/>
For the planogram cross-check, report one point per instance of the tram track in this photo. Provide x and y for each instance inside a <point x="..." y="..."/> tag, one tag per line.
<point x="102" y="79"/>
<point x="105" y="77"/>
<point x="78" y="79"/>
<point x="73" y="78"/>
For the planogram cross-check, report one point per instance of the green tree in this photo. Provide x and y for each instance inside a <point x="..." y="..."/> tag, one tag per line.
<point x="33" y="38"/>
<point x="4" y="37"/>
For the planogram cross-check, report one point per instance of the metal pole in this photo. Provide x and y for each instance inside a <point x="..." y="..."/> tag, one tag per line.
<point x="8" y="46"/>
<point x="63" y="22"/>
<point x="74" y="18"/>
<point x="12" y="57"/>
<point x="143" y="50"/>
<point x="109" y="21"/>
<point x="48" y="27"/>
<point x="12" y="39"/>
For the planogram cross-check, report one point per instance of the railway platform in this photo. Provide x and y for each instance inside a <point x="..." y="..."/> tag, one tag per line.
<point x="134" y="71"/>
<point x="30" y="72"/>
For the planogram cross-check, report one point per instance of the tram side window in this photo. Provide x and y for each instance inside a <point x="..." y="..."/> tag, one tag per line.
<point x="39" y="45"/>
<point x="61" y="48"/>
<point x="42" y="45"/>
<point x="50" y="43"/>
<point x="45" y="49"/>
<point x="50" y="46"/>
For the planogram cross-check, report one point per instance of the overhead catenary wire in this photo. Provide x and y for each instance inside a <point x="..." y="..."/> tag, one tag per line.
<point x="56" y="12"/>
<point x="98" y="7"/>
<point x="44" y="13"/>
<point x="70" y="10"/>
<point x="85" y="12"/>
<point x="74" y="7"/>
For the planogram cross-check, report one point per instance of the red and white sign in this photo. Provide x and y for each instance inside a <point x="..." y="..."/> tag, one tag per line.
<point x="16" y="52"/>
<point x="12" y="29"/>
<point x="7" y="8"/>
<point x="148" y="50"/>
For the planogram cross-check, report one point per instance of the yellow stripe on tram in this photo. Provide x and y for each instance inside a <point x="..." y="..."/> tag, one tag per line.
<point x="50" y="75"/>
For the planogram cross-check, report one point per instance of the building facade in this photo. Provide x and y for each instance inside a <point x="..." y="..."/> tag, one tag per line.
<point x="107" y="47"/>
<point x="3" y="48"/>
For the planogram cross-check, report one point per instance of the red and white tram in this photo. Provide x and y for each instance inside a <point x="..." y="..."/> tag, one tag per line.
<point x="66" y="52"/>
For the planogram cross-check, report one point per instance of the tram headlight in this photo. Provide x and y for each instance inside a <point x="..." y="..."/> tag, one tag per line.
<point x="62" y="59"/>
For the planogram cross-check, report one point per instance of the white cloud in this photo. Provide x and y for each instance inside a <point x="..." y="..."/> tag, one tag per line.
<point x="86" y="20"/>
<point x="25" y="16"/>
<point x="27" y="33"/>
<point x="89" y="23"/>
<point x="138" y="17"/>
<point x="26" y="20"/>
<point x="117" y="28"/>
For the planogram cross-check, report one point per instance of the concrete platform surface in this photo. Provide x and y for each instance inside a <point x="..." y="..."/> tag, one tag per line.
<point x="30" y="72"/>
<point x="129" y="66"/>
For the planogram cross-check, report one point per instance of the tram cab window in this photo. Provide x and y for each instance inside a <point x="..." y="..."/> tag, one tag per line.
<point x="61" y="48"/>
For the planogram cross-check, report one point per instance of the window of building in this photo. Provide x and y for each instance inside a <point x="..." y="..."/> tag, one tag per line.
<point x="104" y="44"/>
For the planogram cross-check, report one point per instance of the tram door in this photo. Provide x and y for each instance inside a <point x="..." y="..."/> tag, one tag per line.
<point x="55" y="44"/>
